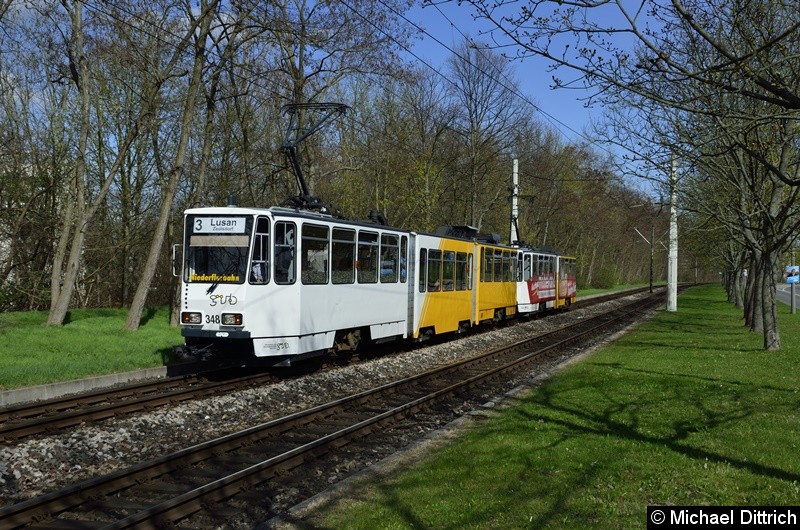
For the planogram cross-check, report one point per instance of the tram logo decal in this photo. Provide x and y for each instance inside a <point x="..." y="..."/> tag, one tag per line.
<point x="223" y="299"/>
<point x="276" y="346"/>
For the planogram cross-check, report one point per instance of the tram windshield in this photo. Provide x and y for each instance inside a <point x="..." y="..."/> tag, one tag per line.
<point x="216" y="248"/>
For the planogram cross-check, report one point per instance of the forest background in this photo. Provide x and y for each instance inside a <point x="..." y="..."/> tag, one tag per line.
<point x="117" y="116"/>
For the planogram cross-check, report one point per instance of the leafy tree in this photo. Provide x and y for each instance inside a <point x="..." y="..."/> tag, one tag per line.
<point x="729" y="65"/>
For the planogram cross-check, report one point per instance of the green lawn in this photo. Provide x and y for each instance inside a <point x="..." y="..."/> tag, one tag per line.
<point x="687" y="410"/>
<point x="91" y="342"/>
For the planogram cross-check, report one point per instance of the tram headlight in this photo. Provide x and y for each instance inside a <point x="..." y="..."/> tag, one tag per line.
<point x="231" y="319"/>
<point x="188" y="317"/>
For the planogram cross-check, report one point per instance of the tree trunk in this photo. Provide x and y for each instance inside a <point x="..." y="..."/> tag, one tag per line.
<point x="56" y="274"/>
<point x="756" y="283"/>
<point x="772" y="339"/>
<point x="140" y="297"/>
<point x="63" y="288"/>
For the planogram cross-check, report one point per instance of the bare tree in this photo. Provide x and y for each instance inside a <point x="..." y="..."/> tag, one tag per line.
<point x="203" y="24"/>
<point x="757" y="209"/>
<point x="4" y="7"/>
<point x="484" y="93"/>
<point x="76" y="209"/>
<point x="394" y="148"/>
<point x="317" y="45"/>
<point x="431" y="116"/>
<point x="611" y="43"/>
<point x="79" y="213"/>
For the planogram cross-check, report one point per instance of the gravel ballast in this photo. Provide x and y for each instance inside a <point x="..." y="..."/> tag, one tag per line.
<point x="35" y="466"/>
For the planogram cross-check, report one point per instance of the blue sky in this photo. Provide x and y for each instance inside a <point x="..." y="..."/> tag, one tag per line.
<point x="447" y="23"/>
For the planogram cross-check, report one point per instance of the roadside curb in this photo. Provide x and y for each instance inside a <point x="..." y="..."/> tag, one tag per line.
<point x="54" y="390"/>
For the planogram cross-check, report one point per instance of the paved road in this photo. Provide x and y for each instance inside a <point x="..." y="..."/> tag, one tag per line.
<point x="783" y="294"/>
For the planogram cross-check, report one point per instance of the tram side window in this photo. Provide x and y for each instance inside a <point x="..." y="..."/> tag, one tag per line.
<point x="498" y="265"/>
<point x="507" y="264"/>
<point x="259" y="264"/>
<point x="515" y="263"/>
<point x="367" y="263"/>
<point x="343" y="256"/>
<point x="462" y="273"/>
<point x="403" y="259"/>
<point x="284" y="252"/>
<point x="315" y="255"/>
<point x="568" y="268"/>
<point x="486" y="264"/>
<point x="448" y="271"/>
<point x="390" y="254"/>
<point x="434" y="270"/>
<point x="526" y="268"/>
<point x="422" y="272"/>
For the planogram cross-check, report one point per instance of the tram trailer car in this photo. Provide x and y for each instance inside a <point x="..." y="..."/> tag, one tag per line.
<point x="546" y="281"/>
<point x="277" y="285"/>
<point x="461" y="283"/>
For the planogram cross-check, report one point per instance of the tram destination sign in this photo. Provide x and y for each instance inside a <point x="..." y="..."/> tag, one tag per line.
<point x="219" y="225"/>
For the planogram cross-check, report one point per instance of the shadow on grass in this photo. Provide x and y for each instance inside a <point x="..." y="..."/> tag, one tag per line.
<point x="92" y="312"/>
<point x="167" y="356"/>
<point x="591" y="421"/>
<point x="573" y="432"/>
<point x="147" y="315"/>
<point x="750" y="387"/>
<point x="690" y="347"/>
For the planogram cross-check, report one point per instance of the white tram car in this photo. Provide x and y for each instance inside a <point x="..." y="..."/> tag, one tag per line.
<point x="285" y="284"/>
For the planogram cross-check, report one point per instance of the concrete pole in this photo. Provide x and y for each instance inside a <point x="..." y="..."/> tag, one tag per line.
<point x="652" y="251"/>
<point x="514" y="237"/>
<point x="793" y="304"/>
<point x="672" y="265"/>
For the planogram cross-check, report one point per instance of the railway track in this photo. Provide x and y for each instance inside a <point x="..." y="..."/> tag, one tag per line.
<point x="49" y="416"/>
<point x="52" y="415"/>
<point x="213" y="481"/>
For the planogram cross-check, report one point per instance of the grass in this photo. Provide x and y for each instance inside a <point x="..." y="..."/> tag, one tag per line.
<point x="687" y="410"/>
<point x="91" y="342"/>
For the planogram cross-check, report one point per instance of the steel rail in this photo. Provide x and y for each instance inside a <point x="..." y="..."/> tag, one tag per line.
<point x="189" y="502"/>
<point x="48" y="416"/>
<point x="166" y="393"/>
